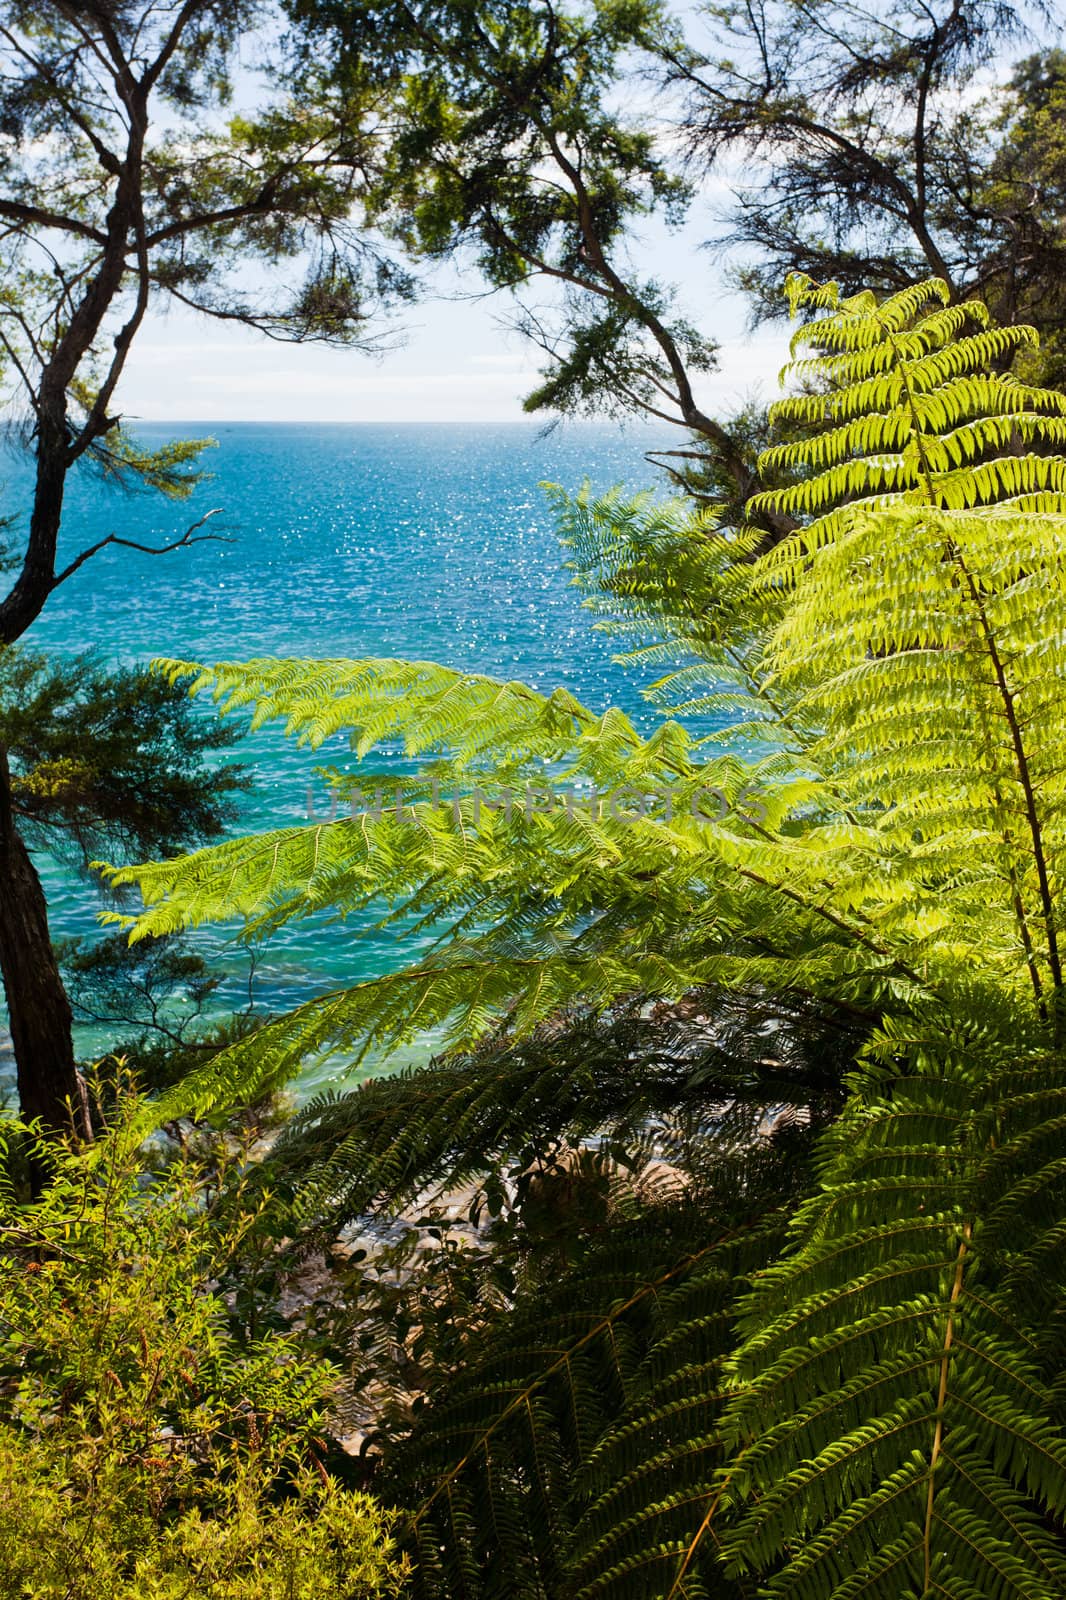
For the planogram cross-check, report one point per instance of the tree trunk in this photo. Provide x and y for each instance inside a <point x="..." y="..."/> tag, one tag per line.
<point x="38" y="1009"/>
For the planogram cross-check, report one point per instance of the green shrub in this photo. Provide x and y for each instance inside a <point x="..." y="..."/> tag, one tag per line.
<point x="144" y="1451"/>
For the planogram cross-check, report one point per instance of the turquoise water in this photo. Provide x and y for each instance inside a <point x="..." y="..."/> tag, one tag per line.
<point x="424" y="540"/>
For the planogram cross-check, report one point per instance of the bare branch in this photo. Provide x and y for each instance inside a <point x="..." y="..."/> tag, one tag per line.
<point x="173" y="39"/>
<point x="37" y="216"/>
<point x="189" y="537"/>
<point x="97" y="421"/>
<point x="209" y="219"/>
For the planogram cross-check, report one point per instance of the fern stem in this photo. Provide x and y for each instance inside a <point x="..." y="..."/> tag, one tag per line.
<point x="836" y="921"/>
<point x="1010" y="710"/>
<point x="938" y="1435"/>
<point x="1025" y="778"/>
<point x="698" y="1538"/>
<point x="1021" y="917"/>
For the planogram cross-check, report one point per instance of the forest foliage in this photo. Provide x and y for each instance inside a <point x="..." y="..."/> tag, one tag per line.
<point x="719" y="1250"/>
<point x="302" y="168"/>
<point x="887" y="1420"/>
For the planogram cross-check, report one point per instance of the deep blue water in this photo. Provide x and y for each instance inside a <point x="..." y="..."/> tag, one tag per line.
<point x="423" y="540"/>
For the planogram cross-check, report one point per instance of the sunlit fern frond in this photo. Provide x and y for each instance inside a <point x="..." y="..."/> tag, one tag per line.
<point x="671" y="583"/>
<point x="905" y="406"/>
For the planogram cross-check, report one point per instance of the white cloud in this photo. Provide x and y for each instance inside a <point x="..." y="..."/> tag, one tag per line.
<point x="515" y="362"/>
<point x="350" y="383"/>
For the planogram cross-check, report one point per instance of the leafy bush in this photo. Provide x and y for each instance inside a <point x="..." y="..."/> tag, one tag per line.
<point x="145" y="1452"/>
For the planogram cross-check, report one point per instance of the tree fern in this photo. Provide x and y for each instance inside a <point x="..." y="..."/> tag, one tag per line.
<point x="732" y="1059"/>
<point x="897" y="1429"/>
<point x="896" y="663"/>
<point x="567" y="1455"/>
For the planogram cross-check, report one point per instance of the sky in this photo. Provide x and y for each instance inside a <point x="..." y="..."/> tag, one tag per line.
<point x="455" y="361"/>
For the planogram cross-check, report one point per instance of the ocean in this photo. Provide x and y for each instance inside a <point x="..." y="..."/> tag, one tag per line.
<point x="430" y="541"/>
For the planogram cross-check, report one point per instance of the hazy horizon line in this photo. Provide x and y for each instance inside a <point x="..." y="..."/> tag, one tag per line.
<point x="615" y="424"/>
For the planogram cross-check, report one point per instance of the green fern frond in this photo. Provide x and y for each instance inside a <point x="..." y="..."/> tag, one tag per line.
<point x="430" y="707"/>
<point x="893" y="1418"/>
<point x="905" y="409"/>
<point x="575" y="1429"/>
